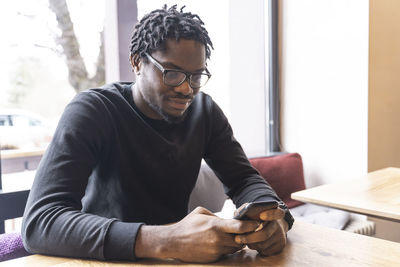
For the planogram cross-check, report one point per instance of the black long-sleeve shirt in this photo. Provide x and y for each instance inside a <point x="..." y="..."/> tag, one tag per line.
<point x="110" y="169"/>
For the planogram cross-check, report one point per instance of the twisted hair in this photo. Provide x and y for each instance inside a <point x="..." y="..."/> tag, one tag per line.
<point x="156" y="27"/>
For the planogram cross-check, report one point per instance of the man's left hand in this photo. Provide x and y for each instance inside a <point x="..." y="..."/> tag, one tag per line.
<point x="271" y="239"/>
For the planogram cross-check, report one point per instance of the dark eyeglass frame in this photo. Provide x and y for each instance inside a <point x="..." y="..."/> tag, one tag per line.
<point x="188" y="75"/>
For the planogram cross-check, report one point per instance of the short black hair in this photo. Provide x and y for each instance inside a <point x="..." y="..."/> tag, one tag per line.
<point x="151" y="32"/>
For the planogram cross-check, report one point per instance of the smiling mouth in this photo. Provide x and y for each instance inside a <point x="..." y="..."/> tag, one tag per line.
<point x="179" y="103"/>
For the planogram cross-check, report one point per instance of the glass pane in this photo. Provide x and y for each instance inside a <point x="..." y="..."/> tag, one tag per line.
<point x="36" y="76"/>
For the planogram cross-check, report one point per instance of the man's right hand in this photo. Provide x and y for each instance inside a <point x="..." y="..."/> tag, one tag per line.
<point x="199" y="237"/>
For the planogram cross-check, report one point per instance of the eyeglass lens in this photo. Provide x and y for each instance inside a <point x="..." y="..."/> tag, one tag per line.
<point x="175" y="78"/>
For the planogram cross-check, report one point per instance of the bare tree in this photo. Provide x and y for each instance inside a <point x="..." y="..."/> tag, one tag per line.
<point x="77" y="73"/>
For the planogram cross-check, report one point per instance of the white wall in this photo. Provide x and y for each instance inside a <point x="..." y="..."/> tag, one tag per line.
<point x="247" y="74"/>
<point x="324" y="68"/>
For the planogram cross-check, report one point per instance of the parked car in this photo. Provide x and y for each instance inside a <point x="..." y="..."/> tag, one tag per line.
<point x="20" y="129"/>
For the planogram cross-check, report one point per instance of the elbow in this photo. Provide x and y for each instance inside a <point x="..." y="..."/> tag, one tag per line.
<point x="29" y="247"/>
<point x="29" y="235"/>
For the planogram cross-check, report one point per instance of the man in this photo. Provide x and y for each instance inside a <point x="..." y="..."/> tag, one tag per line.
<point x="116" y="179"/>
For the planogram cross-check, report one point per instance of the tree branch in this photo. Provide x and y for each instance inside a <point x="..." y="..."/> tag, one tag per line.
<point x="99" y="77"/>
<point x="77" y="72"/>
<point x="55" y="50"/>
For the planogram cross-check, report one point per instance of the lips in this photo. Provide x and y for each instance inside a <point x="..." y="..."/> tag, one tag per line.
<point x="179" y="103"/>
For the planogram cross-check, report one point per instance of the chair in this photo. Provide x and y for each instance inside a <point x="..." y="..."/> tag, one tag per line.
<point x="12" y="205"/>
<point x="284" y="172"/>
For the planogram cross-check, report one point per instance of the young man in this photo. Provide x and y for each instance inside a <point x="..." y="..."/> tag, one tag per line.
<point x="116" y="179"/>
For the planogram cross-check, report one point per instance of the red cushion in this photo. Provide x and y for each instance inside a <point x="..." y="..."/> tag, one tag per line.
<point x="284" y="173"/>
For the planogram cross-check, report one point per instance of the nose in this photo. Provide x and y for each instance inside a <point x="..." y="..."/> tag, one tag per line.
<point x="184" y="88"/>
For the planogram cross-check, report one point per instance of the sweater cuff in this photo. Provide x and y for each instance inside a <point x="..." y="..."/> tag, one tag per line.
<point x="120" y="241"/>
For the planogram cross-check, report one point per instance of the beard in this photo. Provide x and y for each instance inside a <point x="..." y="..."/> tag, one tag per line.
<point x="164" y="115"/>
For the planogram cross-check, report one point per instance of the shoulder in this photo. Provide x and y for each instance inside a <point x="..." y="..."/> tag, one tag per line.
<point x="94" y="104"/>
<point x="204" y="103"/>
<point x="207" y="111"/>
<point x="101" y="99"/>
<point x="107" y="91"/>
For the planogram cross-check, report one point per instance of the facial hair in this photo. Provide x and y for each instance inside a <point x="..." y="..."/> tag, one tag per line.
<point x="165" y="116"/>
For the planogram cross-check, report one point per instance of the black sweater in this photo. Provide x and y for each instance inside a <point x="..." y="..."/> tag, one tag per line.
<point x="110" y="169"/>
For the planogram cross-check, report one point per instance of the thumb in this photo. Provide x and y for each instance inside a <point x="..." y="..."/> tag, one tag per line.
<point x="234" y="226"/>
<point x="272" y="215"/>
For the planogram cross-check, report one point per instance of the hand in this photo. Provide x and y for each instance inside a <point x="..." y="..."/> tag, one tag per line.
<point x="271" y="239"/>
<point x="199" y="237"/>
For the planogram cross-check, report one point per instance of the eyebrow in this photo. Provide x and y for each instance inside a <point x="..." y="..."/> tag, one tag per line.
<point x="176" y="67"/>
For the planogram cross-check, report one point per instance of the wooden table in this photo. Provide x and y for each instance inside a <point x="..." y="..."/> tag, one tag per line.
<point x="308" y="245"/>
<point x="377" y="195"/>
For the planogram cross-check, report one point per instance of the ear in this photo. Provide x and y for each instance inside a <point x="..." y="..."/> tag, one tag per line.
<point x="135" y="63"/>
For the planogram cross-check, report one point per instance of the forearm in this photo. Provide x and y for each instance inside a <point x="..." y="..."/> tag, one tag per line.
<point x="64" y="232"/>
<point x="199" y="237"/>
<point x="153" y="242"/>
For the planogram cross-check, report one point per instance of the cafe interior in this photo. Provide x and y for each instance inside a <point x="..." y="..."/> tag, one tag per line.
<point x="311" y="89"/>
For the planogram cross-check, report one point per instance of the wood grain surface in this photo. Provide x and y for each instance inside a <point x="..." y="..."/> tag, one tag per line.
<point x="377" y="194"/>
<point x="308" y="245"/>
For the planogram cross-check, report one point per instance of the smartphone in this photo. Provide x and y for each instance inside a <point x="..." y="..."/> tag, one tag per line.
<point x="253" y="209"/>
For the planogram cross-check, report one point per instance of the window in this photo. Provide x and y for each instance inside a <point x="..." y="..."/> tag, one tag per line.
<point x="36" y="80"/>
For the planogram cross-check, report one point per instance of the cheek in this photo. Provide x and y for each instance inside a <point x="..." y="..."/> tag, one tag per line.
<point x="152" y="94"/>
<point x="154" y="88"/>
<point x="156" y="94"/>
<point x="151" y="86"/>
<point x="151" y="78"/>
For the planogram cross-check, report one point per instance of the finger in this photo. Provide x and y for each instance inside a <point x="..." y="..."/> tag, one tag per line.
<point x="273" y="245"/>
<point x="234" y="226"/>
<point x="228" y="240"/>
<point x="273" y="249"/>
<point x="271" y="215"/>
<point x="224" y="241"/>
<point x="260" y="236"/>
<point x="261" y="226"/>
<point x="231" y="250"/>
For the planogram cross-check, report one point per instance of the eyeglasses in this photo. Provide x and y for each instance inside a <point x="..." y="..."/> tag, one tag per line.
<point x="174" y="78"/>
